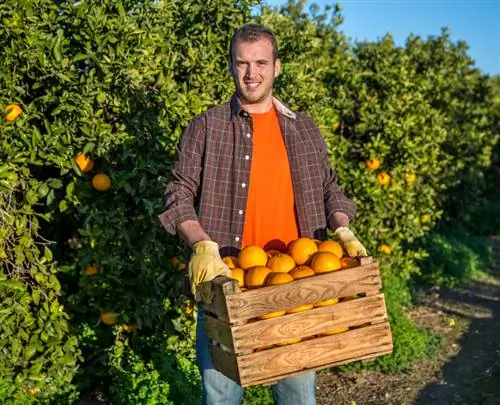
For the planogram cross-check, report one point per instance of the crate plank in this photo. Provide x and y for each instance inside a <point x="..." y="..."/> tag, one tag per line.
<point x="341" y="283"/>
<point x="219" y="288"/>
<point x="315" y="353"/>
<point x="225" y="362"/>
<point x="219" y="331"/>
<point x="270" y="381"/>
<point x="304" y="324"/>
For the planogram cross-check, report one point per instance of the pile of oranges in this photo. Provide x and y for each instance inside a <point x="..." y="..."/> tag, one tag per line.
<point x="254" y="268"/>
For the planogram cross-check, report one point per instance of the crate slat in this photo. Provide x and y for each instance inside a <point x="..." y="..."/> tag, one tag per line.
<point x="304" y="324"/>
<point x="341" y="283"/>
<point x="315" y="353"/>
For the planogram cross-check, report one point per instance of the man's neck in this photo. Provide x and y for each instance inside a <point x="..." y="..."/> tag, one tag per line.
<point x="258" y="108"/>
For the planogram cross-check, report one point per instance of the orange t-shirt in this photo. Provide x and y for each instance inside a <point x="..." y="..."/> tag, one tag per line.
<point x="270" y="220"/>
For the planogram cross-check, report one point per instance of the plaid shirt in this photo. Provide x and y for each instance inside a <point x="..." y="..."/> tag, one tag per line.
<point x="212" y="168"/>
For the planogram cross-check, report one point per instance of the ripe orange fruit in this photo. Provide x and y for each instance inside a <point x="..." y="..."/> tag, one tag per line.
<point x="91" y="270"/>
<point x="385" y="248"/>
<point x="383" y="178"/>
<point x="317" y="241"/>
<point x="289" y="342"/>
<point x="302" y="308"/>
<point x="302" y="249"/>
<point x="230" y="261"/>
<point x="299" y="272"/>
<point x="325" y="303"/>
<point x="12" y="111"/>
<point x="272" y="252"/>
<point x="333" y="332"/>
<point x="256" y="276"/>
<point x="108" y="318"/>
<point x="349" y="262"/>
<point x="177" y="263"/>
<point x="130" y="328"/>
<point x="324" y="262"/>
<point x="331" y="246"/>
<point x="373" y="164"/>
<point x="281" y="263"/>
<point x="101" y="182"/>
<point x="410" y="178"/>
<point x="251" y="256"/>
<point x="85" y="163"/>
<point x="239" y="275"/>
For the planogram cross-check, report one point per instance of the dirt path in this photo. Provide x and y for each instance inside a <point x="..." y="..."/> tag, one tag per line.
<point x="467" y="369"/>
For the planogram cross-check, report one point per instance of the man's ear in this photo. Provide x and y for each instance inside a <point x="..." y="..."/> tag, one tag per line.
<point x="277" y="68"/>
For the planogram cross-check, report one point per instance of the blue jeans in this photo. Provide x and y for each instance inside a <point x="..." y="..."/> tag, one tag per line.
<point x="221" y="390"/>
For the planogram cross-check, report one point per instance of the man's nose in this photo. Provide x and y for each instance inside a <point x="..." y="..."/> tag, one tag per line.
<point x="251" y="70"/>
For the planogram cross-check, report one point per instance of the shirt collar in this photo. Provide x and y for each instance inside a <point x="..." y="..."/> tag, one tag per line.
<point x="237" y="109"/>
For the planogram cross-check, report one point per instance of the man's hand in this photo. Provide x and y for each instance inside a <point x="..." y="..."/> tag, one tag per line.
<point x="351" y="244"/>
<point x="205" y="265"/>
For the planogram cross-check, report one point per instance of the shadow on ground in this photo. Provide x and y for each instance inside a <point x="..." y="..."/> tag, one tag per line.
<point x="472" y="376"/>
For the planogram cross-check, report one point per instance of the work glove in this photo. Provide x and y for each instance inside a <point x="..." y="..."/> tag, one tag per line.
<point x="350" y="243"/>
<point x="205" y="265"/>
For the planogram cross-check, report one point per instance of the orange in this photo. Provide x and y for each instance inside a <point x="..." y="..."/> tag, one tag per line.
<point x="331" y="246"/>
<point x="302" y="249"/>
<point x="252" y="255"/>
<point x="12" y="111"/>
<point x="239" y="275"/>
<point x="349" y="262"/>
<point x="230" y="261"/>
<point x="289" y="342"/>
<point x="272" y="252"/>
<point x="383" y="178"/>
<point x="177" y="263"/>
<point x="85" y="163"/>
<point x="101" y="182"/>
<point x="317" y="241"/>
<point x="373" y="164"/>
<point x="333" y="332"/>
<point x="299" y="272"/>
<point x="385" y="248"/>
<point x="130" y="328"/>
<point x="256" y="276"/>
<point x="324" y="262"/>
<point x="278" y="278"/>
<point x="301" y="308"/>
<point x="281" y="263"/>
<point x="325" y="303"/>
<point x="108" y="318"/>
<point x="410" y="178"/>
<point x="91" y="270"/>
<point x="275" y="279"/>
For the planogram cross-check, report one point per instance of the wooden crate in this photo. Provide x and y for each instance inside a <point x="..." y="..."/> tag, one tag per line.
<point x="247" y="349"/>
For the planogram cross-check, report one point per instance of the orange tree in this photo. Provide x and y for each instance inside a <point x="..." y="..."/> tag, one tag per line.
<point x="392" y="137"/>
<point x="117" y="82"/>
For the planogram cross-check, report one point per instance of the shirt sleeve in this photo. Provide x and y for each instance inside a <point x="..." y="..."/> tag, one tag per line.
<point x="182" y="190"/>
<point x="334" y="196"/>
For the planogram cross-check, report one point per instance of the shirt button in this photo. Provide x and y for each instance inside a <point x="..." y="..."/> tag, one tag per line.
<point x="237" y="239"/>
<point x="240" y="212"/>
<point x="249" y="135"/>
<point x="243" y="185"/>
<point x="247" y="157"/>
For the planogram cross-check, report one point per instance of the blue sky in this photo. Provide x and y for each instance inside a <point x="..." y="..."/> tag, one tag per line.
<point x="477" y="22"/>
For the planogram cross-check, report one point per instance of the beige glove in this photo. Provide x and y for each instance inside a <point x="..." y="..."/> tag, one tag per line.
<point x="351" y="244"/>
<point x="205" y="265"/>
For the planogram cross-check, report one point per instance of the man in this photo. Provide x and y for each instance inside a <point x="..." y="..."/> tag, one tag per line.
<point x="252" y="171"/>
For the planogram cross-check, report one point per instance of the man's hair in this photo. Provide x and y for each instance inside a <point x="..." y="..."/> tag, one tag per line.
<point x="252" y="33"/>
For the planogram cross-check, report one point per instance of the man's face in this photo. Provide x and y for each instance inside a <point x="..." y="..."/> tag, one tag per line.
<point x="254" y="71"/>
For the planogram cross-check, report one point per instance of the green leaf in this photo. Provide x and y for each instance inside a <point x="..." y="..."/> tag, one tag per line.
<point x="63" y="205"/>
<point x="47" y="253"/>
<point x="12" y="285"/>
<point x="55" y="183"/>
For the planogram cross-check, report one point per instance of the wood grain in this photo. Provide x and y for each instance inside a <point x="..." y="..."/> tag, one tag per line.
<point x="308" y="323"/>
<point x="315" y="353"/>
<point x="341" y="283"/>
